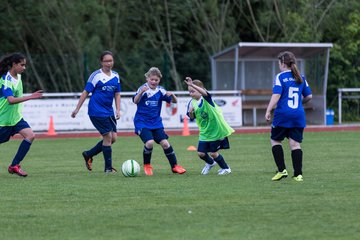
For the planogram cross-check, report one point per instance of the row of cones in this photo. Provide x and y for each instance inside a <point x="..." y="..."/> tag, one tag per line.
<point x="185" y="132"/>
<point x="51" y="130"/>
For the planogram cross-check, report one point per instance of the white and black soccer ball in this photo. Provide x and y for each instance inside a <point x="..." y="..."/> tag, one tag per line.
<point x="130" y="168"/>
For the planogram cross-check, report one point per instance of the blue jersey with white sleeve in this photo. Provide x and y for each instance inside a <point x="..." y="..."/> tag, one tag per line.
<point x="149" y="108"/>
<point x="103" y="89"/>
<point x="289" y="111"/>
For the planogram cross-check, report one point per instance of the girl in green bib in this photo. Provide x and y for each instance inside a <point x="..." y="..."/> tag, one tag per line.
<point x="213" y="129"/>
<point x="11" y="97"/>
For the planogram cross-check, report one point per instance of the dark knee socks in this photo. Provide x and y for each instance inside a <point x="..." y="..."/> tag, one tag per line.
<point x="170" y="154"/>
<point x="22" y="151"/>
<point x="147" y="155"/>
<point x="207" y="159"/>
<point x="95" y="150"/>
<point x="296" y="156"/>
<point x="107" y="152"/>
<point x="278" y="154"/>
<point x="221" y="162"/>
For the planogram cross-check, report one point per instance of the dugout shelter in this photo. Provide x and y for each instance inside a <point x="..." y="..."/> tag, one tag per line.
<point x="251" y="67"/>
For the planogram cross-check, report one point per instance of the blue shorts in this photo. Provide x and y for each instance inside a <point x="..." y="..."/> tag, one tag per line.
<point x="213" y="146"/>
<point x="104" y="125"/>
<point x="153" y="134"/>
<point x="279" y="133"/>
<point x="7" y="131"/>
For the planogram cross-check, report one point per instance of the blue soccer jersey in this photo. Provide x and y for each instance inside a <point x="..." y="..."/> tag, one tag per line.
<point x="149" y="108"/>
<point x="289" y="111"/>
<point x="103" y="89"/>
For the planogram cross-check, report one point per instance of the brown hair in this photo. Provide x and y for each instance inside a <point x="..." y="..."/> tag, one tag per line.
<point x="288" y="58"/>
<point x="104" y="53"/>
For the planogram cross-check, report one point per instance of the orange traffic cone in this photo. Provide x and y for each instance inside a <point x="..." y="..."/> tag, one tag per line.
<point x="185" y="131"/>
<point x="191" y="148"/>
<point x="51" y="130"/>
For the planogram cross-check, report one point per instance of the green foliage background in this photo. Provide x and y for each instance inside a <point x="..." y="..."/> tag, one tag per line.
<point x="63" y="39"/>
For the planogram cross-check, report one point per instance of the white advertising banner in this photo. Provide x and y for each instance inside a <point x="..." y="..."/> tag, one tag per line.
<point x="38" y="112"/>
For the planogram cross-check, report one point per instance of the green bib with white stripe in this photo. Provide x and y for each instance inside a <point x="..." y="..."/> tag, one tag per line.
<point x="10" y="114"/>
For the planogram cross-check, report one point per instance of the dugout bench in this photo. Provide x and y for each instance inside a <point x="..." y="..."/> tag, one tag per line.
<point x="254" y="104"/>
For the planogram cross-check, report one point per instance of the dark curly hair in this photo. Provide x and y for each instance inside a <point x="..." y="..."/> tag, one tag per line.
<point x="7" y="61"/>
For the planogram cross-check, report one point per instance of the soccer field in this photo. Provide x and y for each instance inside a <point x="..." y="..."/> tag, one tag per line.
<point x="60" y="199"/>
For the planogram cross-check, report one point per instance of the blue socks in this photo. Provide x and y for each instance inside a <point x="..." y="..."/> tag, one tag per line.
<point x="221" y="162"/>
<point x="207" y="159"/>
<point x="170" y="154"/>
<point x="21" y="153"/>
<point x="95" y="150"/>
<point x="147" y="155"/>
<point x="107" y="151"/>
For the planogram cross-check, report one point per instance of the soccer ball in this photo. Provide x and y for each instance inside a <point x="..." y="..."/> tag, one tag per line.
<point x="130" y="168"/>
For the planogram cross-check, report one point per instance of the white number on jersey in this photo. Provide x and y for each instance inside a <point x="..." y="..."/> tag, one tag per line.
<point x="293" y="101"/>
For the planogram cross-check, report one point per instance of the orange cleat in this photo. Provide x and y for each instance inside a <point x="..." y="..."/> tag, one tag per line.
<point x="178" y="169"/>
<point x="148" y="169"/>
<point x="88" y="161"/>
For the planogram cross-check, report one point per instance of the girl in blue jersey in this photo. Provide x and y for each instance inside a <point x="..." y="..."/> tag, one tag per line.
<point x="104" y="84"/>
<point x="11" y="118"/>
<point x="148" y="123"/>
<point x="290" y="91"/>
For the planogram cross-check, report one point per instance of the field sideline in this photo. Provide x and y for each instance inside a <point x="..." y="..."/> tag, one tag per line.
<point x="313" y="128"/>
<point x="60" y="199"/>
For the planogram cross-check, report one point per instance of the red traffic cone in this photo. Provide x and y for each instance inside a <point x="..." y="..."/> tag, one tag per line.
<point x="51" y="130"/>
<point x="185" y="131"/>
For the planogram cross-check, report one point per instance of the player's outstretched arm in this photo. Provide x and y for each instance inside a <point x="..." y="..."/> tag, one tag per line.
<point x="36" y="95"/>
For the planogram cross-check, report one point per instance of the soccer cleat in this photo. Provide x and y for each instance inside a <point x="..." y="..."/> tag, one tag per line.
<point x="224" y="171"/>
<point x="280" y="175"/>
<point x="298" y="178"/>
<point x="88" y="161"/>
<point x="17" y="170"/>
<point x="178" y="169"/>
<point x="207" y="168"/>
<point x="148" y="170"/>
<point x="110" y="170"/>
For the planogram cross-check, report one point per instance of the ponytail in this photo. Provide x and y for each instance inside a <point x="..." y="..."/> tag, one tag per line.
<point x="295" y="71"/>
<point x="288" y="58"/>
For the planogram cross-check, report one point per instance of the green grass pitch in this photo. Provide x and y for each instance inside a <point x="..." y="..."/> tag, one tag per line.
<point x="60" y="199"/>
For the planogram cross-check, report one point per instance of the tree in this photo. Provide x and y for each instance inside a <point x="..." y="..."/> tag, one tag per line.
<point x="159" y="26"/>
<point x="286" y="21"/>
<point x="345" y="55"/>
<point x="212" y="24"/>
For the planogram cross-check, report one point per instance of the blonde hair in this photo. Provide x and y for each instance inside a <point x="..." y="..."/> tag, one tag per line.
<point x="198" y="83"/>
<point x="153" y="71"/>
